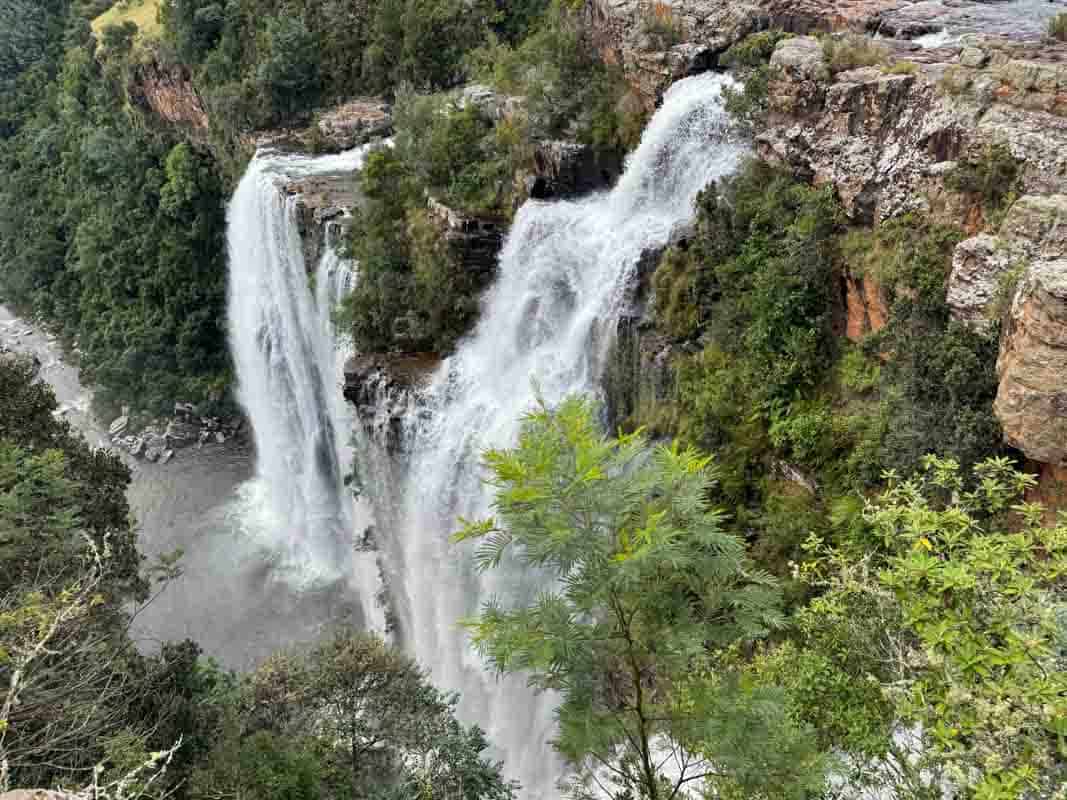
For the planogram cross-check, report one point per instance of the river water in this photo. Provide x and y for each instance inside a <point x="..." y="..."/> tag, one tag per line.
<point x="231" y="597"/>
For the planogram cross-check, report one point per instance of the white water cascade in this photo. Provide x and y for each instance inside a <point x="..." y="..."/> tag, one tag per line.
<point x="549" y="319"/>
<point x="289" y="380"/>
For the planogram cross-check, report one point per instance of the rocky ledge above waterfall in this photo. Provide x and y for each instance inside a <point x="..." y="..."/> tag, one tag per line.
<point x="383" y="388"/>
<point x="655" y="44"/>
<point x="334" y="130"/>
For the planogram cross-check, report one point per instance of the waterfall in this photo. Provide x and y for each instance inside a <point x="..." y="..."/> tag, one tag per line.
<point x="548" y="320"/>
<point x="289" y="378"/>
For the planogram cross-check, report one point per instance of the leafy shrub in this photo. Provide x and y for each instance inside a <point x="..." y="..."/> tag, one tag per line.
<point x="750" y="58"/>
<point x="993" y="175"/>
<point x="902" y="67"/>
<point x="857" y="372"/>
<point x="850" y="51"/>
<point x="565" y="86"/>
<point x="1057" y="27"/>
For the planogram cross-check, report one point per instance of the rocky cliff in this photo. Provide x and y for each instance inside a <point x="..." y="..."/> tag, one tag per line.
<point x="910" y="134"/>
<point x="167" y="91"/>
<point x="656" y="42"/>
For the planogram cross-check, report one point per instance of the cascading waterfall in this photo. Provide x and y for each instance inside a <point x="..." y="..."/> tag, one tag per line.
<point x="289" y="377"/>
<point x="547" y="321"/>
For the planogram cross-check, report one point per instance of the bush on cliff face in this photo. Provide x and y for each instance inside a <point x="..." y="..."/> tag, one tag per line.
<point x="566" y="88"/>
<point x="412" y="294"/>
<point x="992" y="175"/>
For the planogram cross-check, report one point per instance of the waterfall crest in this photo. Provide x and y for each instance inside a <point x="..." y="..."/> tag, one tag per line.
<point x="548" y="320"/>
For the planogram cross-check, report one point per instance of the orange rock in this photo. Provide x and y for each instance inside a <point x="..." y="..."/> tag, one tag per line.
<point x="865" y="307"/>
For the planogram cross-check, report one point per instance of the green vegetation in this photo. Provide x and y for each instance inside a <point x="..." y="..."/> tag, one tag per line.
<point x="802" y="424"/>
<point x="850" y="51"/>
<point x="143" y="14"/>
<point x="1057" y="27"/>
<point x="79" y="705"/>
<point x="750" y="60"/>
<point x="652" y="591"/>
<point x="992" y="175"/>
<point x="113" y="233"/>
<point x="927" y="652"/>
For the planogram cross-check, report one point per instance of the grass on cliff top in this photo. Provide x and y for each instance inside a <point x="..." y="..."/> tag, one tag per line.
<point x="143" y="13"/>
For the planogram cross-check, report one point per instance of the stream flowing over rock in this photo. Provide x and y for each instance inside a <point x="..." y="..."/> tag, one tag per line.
<point x="547" y="324"/>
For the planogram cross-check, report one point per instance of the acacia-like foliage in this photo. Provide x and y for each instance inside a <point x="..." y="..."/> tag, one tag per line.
<point x="644" y="588"/>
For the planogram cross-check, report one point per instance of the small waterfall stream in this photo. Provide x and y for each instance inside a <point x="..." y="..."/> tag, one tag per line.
<point x="548" y="321"/>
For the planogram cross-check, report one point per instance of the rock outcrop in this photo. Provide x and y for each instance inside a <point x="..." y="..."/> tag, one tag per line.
<point x="383" y="389"/>
<point x="568" y="169"/>
<point x="1034" y="228"/>
<point x="342" y="127"/>
<point x="1031" y="400"/>
<point x="169" y="93"/>
<point x="656" y="43"/>
<point x="474" y="240"/>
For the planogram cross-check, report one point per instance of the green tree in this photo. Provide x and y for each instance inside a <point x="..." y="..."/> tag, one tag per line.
<point x="647" y="588"/>
<point x="289" y="72"/>
<point x="362" y="718"/>
<point x="961" y="591"/>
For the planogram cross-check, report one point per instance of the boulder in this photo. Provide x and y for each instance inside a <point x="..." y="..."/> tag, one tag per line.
<point x="1031" y="401"/>
<point x="978" y="265"/>
<point x="181" y="434"/>
<point x="1034" y="228"/>
<point x="119" y="426"/>
<point x="155" y="446"/>
<point x="339" y="128"/>
<point x="39" y="794"/>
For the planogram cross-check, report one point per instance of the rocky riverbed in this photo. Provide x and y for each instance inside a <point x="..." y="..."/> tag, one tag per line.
<point x="234" y="597"/>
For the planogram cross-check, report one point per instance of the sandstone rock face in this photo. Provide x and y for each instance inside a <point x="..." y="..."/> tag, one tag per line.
<point x="1034" y="228"/>
<point x="1051" y="490"/>
<point x="866" y="308"/>
<point x="169" y="93"/>
<point x="1031" y="401"/>
<point x="887" y="141"/>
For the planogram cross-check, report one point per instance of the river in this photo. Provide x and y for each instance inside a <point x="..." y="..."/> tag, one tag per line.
<point x="230" y="598"/>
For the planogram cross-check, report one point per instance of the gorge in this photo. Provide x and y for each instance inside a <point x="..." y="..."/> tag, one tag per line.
<point x="603" y="399"/>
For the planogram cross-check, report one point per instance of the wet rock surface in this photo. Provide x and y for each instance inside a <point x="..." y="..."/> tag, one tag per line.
<point x="383" y="388"/>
